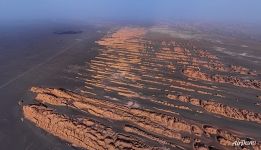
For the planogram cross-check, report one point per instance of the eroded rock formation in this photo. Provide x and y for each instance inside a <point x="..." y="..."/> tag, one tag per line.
<point x="154" y="90"/>
<point x="218" y="108"/>
<point x="194" y="73"/>
<point x="80" y="132"/>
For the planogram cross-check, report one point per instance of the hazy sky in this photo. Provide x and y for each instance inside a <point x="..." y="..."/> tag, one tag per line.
<point x="203" y="10"/>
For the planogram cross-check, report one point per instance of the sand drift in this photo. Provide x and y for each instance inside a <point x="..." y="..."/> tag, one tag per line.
<point x="154" y="93"/>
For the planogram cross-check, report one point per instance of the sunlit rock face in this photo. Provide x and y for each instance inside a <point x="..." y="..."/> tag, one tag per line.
<point x="156" y="94"/>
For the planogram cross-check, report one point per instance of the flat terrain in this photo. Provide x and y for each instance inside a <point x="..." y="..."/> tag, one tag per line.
<point x="36" y="56"/>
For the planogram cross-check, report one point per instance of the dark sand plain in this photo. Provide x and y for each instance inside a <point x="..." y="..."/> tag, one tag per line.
<point x="34" y="55"/>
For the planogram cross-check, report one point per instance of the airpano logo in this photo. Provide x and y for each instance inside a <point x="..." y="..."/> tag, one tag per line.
<point x="244" y="143"/>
